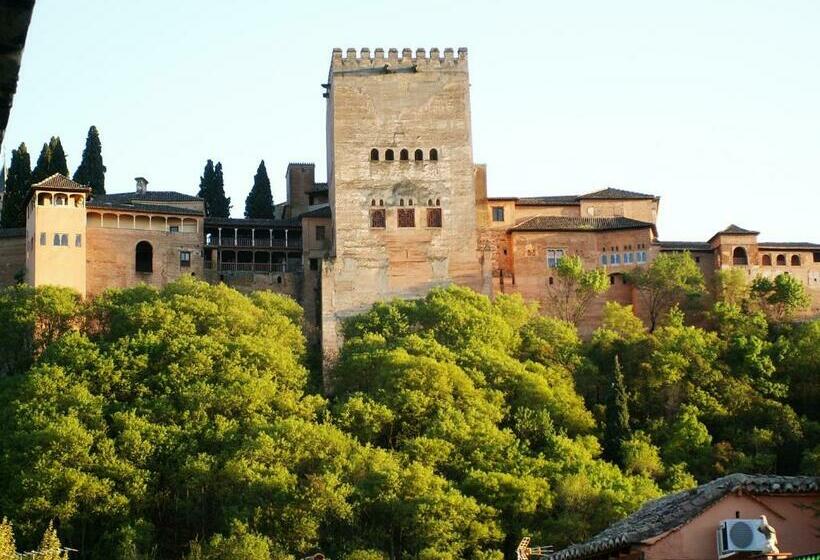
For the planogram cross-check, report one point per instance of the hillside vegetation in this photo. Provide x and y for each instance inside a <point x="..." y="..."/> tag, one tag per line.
<point x="179" y="423"/>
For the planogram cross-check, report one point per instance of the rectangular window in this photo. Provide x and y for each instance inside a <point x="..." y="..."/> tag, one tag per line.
<point x="173" y="229"/>
<point x="407" y="217"/>
<point x="603" y="259"/>
<point x="553" y="256"/>
<point x="377" y="218"/>
<point x="78" y="240"/>
<point x="314" y="264"/>
<point x="43" y="238"/>
<point x="64" y="240"/>
<point x="434" y="217"/>
<point x="56" y="240"/>
<point x="498" y="213"/>
<point x="816" y="257"/>
<point x="320" y="233"/>
<point x="185" y="259"/>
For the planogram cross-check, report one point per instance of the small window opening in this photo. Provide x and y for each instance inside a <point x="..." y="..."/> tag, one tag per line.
<point x="144" y="261"/>
<point x="404" y="155"/>
<point x="401" y="202"/>
<point x="767" y="260"/>
<point x="407" y="217"/>
<point x="185" y="259"/>
<point x="373" y="202"/>
<point x="434" y="217"/>
<point x="781" y="260"/>
<point x="388" y="155"/>
<point x="374" y="155"/>
<point x="434" y="154"/>
<point x="418" y="155"/>
<point x="438" y="202"/>
<point x="377" y="218"/>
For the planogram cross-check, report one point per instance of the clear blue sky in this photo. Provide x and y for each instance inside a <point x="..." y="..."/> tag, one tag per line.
<point x="712" y="104"/>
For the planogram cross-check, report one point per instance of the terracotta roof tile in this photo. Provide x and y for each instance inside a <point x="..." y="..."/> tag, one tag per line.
<point x="572" y="223"/>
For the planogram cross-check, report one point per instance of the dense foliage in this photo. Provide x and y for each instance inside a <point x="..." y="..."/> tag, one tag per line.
<point x="91" y="171"/>
<point x="212" y="191"/>
<point x="259" y="202"/>
<point x="18" y="183"/>
<point x="177" y="423"/>
<point x="52" y="159"/>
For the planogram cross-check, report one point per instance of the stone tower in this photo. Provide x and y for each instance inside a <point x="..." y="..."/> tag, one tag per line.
<point x="55" y="233"/>
<point x="400" y="175"/>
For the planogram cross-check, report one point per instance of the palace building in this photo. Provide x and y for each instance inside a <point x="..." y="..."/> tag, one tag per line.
<point x="404" y="209"/>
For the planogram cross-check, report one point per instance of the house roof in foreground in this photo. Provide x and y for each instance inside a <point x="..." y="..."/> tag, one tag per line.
<point x="671" y="512"/>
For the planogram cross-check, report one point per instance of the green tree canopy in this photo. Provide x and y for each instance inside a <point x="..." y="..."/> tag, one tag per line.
<point x="782" y="297"/>
<point x="671" y="278"/>
<point x="91" y="171"/>
<point x="259" y="203"/>
<point x="212" y="190"/>
<point x="574" y="288"/>
<point x="18" y="184"/>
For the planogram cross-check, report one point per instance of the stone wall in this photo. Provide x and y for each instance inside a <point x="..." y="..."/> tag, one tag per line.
<point x="417" y="103"/>
<point x="111" y="257"/>
<point x="12" y="258"/>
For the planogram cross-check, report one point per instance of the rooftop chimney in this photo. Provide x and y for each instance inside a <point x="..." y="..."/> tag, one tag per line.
<point x="142" y="185"/>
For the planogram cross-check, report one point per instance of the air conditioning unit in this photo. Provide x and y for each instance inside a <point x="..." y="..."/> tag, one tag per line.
<point x="739" y="535"/>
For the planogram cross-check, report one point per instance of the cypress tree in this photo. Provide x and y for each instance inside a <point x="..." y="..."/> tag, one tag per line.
<point x="212" y="190"/>
<point x="91" y="171"/>
<point x="50" y="545"/>
<point x="18" y="183"/>
<point x="617" y="417"/>
<point x="259" y="203"/>
<point x="57" y="160"/>
<point x="41" y="169"/>
<point x="222" y="203"/>
<point x="8" y="550"/>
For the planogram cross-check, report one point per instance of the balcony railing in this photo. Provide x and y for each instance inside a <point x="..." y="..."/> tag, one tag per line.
<point x="256" y="268"/>
<point x="248" y="242"/>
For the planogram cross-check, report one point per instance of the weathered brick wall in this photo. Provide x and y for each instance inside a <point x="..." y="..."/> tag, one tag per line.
<point x="422" y="103"/>
<point x="111" y="257"/>
<point x="529" y="255"/>
<point x="12" y="258"/>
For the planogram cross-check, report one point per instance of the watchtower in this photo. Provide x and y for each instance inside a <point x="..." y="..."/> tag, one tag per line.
<point x="400" y="177"/>
<point x="55" y="233"/>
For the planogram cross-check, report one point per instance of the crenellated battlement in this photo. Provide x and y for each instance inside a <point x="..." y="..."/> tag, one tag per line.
<point x="393" y="59"/>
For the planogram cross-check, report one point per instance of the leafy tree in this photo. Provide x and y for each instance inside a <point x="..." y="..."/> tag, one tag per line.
<point x="91" y="171"/>
<point x="641" y="457"/>
<point x="40" y="171"/>
<point x="57" y="159"/>
<point x="669" y="279"/>
<point x="18" y="183"/>
<point x="780" y="298"/>
<point x="240" y="544"/>
<point x="52" y="160"/>
<point x="259" y="203"/>
<point x="617" y="431"/>
<point x="212" y="190"/>
<point x="731" y="286"/>
<point x="574" y="288"/>
<point x="50" y="547"/>
<point x="8" y="549"/>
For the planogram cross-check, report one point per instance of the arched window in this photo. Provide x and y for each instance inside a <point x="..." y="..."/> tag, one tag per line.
<point x="438" y="202"/>
<point x="429" y="202"/>
<point x="433" y="154"/>
<point x="767" y="260"/>
<point x="795" y="260"/>
<point x="739" y="256"/>
<point x="410" y="202"/>
<point x="404" y="155"/>
<point x="144" y="257"/>
<point x="401" y="202"/>
<point x="388" y="155"/>
<point x="381" y="202"/>
<point x="418" y="155"/>
<point x="374" y="155"/>
<point x="781" y="260"/>
<point x="60" y="200"/>
<point x="373" y="202"/>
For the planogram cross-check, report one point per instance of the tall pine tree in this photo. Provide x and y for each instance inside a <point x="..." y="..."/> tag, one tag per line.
<point x="57" y="162"/>
<point x="50" y="546"/>
<point x="222" y="203"/>
<point x="259" y="203"/>
<point x="617" y="430"/>
<point x="212" y="190"/>
<point x="91" y="171"/>
<point x="18" y="183"/>
<point x="41" y="169"/>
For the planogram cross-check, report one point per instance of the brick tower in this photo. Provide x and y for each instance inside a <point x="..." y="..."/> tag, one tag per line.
<point x="400" y="175"/>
